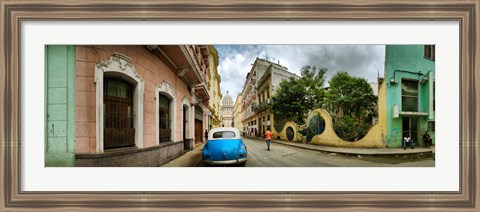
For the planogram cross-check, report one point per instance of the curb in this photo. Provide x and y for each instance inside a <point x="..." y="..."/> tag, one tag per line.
<point x="351" y="151"/>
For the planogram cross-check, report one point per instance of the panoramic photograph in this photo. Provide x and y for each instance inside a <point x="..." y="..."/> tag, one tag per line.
<point x="240" y="105"/>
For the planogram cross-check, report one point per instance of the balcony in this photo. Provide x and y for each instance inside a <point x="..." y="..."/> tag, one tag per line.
<point x="248" y="88"/>
<point x="254" y="106"/>
<point x="248" y="116"/>
<point x="187" y="63"/>
<point x="261" y="107"/>
<point x="201" y="92"/>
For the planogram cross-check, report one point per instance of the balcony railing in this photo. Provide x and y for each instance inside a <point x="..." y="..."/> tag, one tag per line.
<point x="261" y="106"/>
<point x="254" y="106"/>
<point x="409" y="104"/>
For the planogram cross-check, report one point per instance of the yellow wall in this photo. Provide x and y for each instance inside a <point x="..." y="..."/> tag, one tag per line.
<point x="283" y="134"/>
<point x="214" y="88"/>
<point x="237" y="113"/>
<point x="382" y="110"/>
<point x="375" y="138"/>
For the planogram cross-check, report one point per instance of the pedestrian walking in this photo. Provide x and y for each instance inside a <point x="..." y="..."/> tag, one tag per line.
<point x="268" y="138"/>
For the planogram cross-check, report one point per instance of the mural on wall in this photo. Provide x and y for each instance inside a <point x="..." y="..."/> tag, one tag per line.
<point x="302" y="133"/>
<point x="319" y="130"/>
<point x="316" y="126"/>
<point x="290" y="133"/>
<point x="280" y="124"/>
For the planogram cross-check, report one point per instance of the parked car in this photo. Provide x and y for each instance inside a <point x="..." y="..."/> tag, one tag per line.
<point x="224" y="147"/>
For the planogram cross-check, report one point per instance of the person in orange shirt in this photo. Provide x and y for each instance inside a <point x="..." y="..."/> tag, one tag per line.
<point x="268" y="138"/>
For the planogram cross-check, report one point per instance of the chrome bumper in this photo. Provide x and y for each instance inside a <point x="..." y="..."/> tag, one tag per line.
<point x="225" y="162"/>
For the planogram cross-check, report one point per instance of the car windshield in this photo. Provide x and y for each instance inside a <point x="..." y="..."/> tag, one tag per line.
<point x="224" y="134"/>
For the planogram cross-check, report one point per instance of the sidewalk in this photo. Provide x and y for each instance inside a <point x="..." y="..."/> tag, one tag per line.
<point x="356" y="151"/>
<point x="189" y="159"/>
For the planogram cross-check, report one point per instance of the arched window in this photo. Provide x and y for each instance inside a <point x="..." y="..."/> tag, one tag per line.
<point x="119" y="95"/>
<point x="164" y="118"/>
<point x="118" y="113"/>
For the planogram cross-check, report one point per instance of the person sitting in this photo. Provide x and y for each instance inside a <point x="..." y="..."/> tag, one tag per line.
<point x="427" y="139"/>
<point x="409" y="141"/>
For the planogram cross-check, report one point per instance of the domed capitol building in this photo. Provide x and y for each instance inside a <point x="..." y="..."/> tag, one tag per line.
<point x="226" y="111"/>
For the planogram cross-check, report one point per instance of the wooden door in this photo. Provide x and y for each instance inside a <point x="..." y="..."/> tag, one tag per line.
<point x="198" y="131"/>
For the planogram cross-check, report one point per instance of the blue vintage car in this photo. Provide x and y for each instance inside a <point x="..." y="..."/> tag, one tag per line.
<point x="224" y="147"/>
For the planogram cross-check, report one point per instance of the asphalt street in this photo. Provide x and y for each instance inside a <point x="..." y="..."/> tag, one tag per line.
<point x="288" y="156"/>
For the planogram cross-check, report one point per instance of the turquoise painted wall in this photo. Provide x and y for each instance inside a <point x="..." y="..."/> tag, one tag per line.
<point x="411" y="61"/>
<point x="60" y="106"/>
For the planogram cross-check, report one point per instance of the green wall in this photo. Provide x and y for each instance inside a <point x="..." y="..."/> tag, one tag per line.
<point x="60" y="106"/>
<point x="411" y="61"/>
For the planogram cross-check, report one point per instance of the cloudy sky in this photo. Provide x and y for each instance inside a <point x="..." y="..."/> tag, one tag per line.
<point x="358" y="60"/>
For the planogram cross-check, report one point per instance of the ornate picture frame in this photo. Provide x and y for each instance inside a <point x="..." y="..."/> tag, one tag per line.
<point x="13" y="13"/>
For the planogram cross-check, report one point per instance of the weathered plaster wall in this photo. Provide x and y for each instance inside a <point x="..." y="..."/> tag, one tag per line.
<point x="382" y="110"/>
<point x="60" y="105"/>
<point x="152" y="70"/>
<point x="146" y="157"/>
<point x="407" y="58"/>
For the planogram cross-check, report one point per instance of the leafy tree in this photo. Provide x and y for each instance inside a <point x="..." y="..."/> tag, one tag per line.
<point x="295" y="98"/>
<point x="351" y="101"/>
<point x="314" y="80"/>
<point x="351" y="95"/>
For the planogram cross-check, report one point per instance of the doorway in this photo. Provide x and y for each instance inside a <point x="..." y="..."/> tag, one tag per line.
<point x="198" y="125"/>
<point x="410" y="128"/>
<point x="185" y="122"/>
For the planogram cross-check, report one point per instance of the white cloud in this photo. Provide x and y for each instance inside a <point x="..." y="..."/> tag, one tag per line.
<point x="358" y="60"/>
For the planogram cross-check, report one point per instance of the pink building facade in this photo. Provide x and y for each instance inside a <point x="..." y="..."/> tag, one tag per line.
<point x="139" y="105"/>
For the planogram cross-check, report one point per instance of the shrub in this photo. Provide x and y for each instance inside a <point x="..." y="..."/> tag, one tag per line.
<point x="349" y="129"/>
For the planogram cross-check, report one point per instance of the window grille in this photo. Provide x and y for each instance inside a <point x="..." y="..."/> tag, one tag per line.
<point x="409" y="95"/>
<point x="431" y="126"/>
<point x="118" y="114"/>
<point x="164" y="118"/>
